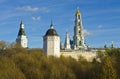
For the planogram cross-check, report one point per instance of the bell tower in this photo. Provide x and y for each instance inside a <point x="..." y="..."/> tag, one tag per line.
<point x="78" y="32"/>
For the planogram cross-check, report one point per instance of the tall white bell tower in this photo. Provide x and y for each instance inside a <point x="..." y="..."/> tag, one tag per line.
<point x="78" y="32"/>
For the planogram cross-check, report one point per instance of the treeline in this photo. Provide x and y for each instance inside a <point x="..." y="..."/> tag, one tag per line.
<point x="20" y="63"/>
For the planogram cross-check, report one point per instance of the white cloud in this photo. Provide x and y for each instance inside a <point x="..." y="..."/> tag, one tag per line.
<point x="86" y="33"/>
<point x="36" y="18"/>
<point x="28" y="8"/>
<point x="33" y="9"/>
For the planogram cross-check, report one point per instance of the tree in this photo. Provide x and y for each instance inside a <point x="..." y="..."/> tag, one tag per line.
<point x="3" y="45"/>
<point x="8" y="69"/>
<point x="108" y="70"/>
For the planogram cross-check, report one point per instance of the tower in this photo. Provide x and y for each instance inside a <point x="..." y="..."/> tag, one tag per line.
<point x="51" y="42"/>
<point x="21" y="38"/>
<point x="78" y="38"/>
<point x="67" y="42"/>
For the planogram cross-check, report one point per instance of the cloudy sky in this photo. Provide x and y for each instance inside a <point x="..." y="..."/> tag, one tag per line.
<point x="101" y="20"/>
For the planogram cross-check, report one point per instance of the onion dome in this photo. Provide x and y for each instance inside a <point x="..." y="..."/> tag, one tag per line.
<point x="78" y="12"/>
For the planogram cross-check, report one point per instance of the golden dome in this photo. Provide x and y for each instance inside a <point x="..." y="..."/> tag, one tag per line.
<point x="78" y="12"/>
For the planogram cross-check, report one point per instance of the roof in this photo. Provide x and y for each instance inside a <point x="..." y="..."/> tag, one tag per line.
<point x="21" y="32"/>
<point x="51" y="32"/>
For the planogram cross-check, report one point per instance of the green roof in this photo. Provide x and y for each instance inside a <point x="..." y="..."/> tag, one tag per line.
<point x="21" y="32"/>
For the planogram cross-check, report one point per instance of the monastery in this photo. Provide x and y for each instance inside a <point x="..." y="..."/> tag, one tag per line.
<point x="51" y="41"/>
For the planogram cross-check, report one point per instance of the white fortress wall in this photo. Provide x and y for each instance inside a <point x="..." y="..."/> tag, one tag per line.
<point x="88" y="55"/>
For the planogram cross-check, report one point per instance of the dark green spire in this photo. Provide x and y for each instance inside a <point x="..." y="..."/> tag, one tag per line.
<point x="21" y="31"/>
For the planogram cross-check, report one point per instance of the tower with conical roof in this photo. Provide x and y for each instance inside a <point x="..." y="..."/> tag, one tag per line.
<point x="51" y="42"/>
<point x="78" y="32"/>
<point x="67" y="42"/>
<point x="21" y="38"/>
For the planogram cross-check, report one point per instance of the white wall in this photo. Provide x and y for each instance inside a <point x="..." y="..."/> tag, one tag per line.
<point x="51" y="45"/>
<point x="23" y="41"/>
<point x="88" y="55"/>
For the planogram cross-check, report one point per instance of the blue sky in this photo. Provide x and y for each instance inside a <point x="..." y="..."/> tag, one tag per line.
<point x="101" y="20"/>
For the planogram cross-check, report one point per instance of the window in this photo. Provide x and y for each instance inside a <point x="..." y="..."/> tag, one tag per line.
<point x="78" y="16"/>
<point x="79" y="32"/>
<point x="80" y="43"/>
